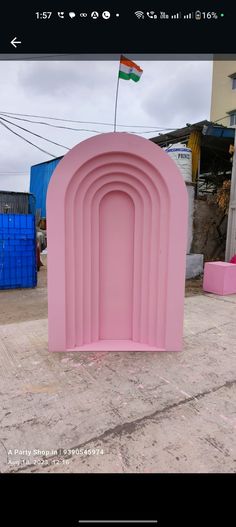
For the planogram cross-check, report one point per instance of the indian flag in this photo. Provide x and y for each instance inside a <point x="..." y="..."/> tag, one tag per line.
<point x="129" y="70"/>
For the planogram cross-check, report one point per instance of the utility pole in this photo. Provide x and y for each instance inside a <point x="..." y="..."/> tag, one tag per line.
<point x="231" y="227"/>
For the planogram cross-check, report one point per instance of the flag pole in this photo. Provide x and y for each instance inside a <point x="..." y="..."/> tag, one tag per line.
<point x="117" y="91"/>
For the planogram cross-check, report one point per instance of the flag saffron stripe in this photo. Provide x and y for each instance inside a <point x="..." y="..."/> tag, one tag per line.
<point x="130" y="64"/>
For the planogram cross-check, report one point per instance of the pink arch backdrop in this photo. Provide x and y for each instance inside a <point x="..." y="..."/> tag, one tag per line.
<point x="117" y="235"/>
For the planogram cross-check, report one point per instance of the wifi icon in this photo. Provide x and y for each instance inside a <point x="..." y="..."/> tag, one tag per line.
<point x="139" y="14"/>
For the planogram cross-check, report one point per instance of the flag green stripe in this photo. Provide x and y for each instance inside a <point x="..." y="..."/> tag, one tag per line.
<point x="128" y="76"/>
<point x="125" y="76"/>
<point x="134" y="77"/>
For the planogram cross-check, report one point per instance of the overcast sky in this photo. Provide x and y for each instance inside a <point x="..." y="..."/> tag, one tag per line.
<point x="169" y="95"/>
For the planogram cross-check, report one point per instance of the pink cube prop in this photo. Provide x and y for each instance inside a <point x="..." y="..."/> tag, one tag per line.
<point x="220" y="278"/>
<point x="117" y="236"/>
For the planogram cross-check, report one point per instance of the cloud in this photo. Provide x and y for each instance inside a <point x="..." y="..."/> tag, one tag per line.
<point x="169" y="94"/>
<point x="60" y="78"/>
<point x="182" y="95"/>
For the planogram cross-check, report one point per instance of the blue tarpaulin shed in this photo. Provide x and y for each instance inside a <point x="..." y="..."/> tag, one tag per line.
<point x="40" y="176"/>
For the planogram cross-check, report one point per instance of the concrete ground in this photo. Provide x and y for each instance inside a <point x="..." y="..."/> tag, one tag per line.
<point x="117" y="412"/>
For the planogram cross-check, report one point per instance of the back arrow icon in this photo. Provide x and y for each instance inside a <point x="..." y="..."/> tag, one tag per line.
<point x="14" y="42"/>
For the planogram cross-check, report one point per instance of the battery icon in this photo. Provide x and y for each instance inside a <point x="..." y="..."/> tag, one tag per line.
<point x="198" y="15"/>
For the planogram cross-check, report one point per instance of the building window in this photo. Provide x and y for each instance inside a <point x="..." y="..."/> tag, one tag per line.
<point x="234" y="83"/>
<point x="232" y="118"/>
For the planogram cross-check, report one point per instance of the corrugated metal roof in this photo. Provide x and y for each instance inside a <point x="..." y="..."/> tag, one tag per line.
<point x="206" y="127"/>
<point x="180" y="133"/>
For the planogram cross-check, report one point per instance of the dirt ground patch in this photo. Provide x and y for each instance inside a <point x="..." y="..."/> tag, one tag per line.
<point x="193" y="286"/>
<point x="19" y="305"/>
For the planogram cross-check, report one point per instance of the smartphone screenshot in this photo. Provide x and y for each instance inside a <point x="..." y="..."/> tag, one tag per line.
<point x="117" y="260"/>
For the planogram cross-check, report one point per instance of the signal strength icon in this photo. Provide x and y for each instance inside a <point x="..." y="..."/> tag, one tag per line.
<point x="189" y="16"/>
<point x="176" y="16"/>
<point x="139" y="14"/>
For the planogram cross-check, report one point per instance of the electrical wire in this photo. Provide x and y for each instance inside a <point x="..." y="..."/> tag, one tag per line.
<point x="27" y="141"/>
<point x="40" y="136"/>
<point x="13" y="116"/>
<point x="52" y="125"/>
<point x="85" y="122"/>
<point x="79" y="129"/>
<point x="220" y="119"/>
<point x="33" y="133"/>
